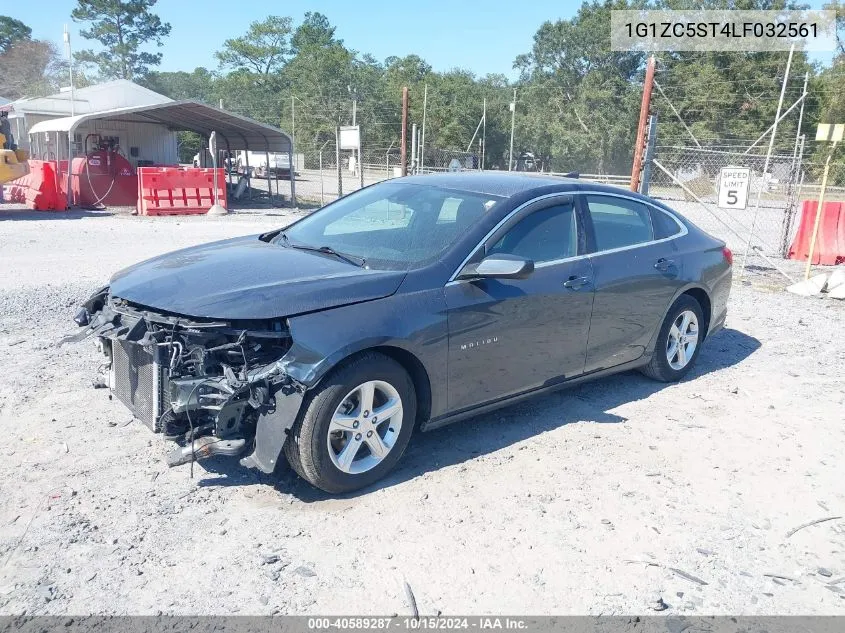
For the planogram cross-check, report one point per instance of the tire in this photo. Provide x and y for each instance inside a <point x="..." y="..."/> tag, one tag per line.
<point x="314" y="448"/>
<point x="661" y="367"/>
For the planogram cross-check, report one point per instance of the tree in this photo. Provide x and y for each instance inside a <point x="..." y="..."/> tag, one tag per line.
<point x="31" y="68"/>
<point x="264" y="49"/>
<point x="315" y="30"/>
<point x="578" y="100"/>
<point x="11" y="31"/>
<point x="123" y="27"/>
<point x="198" y="85"/>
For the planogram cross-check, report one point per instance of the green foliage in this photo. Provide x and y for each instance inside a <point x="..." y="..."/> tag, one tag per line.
<point x="11" y="31"/>
<point x="122" y="27"/>
<point x="264" y="48"/>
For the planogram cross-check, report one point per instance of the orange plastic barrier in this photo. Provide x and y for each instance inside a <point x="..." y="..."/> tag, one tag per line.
<point x="830" y="242"/>
<point x="39" y="189"/>
<point x="178" y="191"/>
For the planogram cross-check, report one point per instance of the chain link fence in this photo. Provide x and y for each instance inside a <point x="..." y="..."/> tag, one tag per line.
<point x="687" y="178"/>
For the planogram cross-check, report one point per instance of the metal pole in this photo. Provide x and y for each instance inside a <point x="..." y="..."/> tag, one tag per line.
<point x="649" y="154"/>
<point x="337" y="160"/>
<point x="69" y="165"/>
<point x="819" y="212"/>
<point x="322" y="202"/>
<point x="414" y="148"/>
<point x="513" y="121"/>
<point x="292" y="176"/>
<point x="248" y="172"/>
<point x="360" y="163"/>
<point x="483" y="131"/>
<point x="387" y="158"/>
<point x="403" y="148"/>
<point x="354" y="122"/>
<point x="766" y="163"/>
<point x="269" y="181"/>
<point x="422" y="138"/>
<point x="645" y="104"/>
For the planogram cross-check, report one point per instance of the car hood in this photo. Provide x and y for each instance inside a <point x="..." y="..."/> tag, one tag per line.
<point x="247" y="278"/>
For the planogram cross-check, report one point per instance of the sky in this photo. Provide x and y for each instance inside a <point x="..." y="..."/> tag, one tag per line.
<point x="481" y="37"/>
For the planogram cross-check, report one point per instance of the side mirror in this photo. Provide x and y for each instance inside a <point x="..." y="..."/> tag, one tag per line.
<point x="501" y="266"/>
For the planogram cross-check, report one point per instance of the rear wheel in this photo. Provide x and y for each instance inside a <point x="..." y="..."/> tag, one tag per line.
<point x="356" y="425"/>
<point x="678" y="342"/>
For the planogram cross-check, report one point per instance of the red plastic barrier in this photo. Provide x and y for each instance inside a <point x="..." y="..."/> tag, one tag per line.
<point x="40" y="188"/>
<point x="178" y="191"/>
<point x="830" y="242"/>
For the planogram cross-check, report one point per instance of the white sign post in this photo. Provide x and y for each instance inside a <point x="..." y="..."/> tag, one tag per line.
<point x="216" y="208"/>
<point x="733" y="187"/>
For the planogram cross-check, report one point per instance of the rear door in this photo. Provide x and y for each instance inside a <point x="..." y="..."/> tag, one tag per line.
<point x="507" y="336"/>
<point x="636" y="273"/>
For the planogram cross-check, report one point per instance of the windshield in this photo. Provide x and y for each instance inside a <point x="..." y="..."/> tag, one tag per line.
<point x="391" y="225"/>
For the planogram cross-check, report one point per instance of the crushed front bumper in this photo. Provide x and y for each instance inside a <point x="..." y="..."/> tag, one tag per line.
<point x="168" y="372"/>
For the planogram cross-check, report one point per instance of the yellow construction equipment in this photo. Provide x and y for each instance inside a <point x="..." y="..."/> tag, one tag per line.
<point x="13" y="163"/>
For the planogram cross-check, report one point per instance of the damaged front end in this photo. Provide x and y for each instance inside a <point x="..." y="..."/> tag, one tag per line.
<point x="213" y="387"/>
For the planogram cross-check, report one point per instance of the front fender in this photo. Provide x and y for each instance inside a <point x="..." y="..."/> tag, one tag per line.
<point x="415" y="322"/>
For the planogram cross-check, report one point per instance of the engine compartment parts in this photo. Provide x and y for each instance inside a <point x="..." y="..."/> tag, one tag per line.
<point x="207" y="385"/>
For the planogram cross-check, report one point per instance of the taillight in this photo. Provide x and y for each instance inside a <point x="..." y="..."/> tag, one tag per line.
<point x="728" y="255"/>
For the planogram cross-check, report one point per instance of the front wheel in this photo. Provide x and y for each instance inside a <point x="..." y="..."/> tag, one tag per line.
<point x="356" y="425"/>
<point x="678" y="342"/>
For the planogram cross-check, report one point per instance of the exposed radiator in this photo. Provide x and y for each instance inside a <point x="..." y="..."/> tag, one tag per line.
<point x="139" y="381"/>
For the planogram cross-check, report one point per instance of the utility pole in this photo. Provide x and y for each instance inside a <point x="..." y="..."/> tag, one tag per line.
<point x="422" y="136"/>
<point x="513" y="120"/>
<point x="645" y="104"/>
<point x="292" y="124"/>
<point x="483" y="132"/>
<point x="403" y="147"/>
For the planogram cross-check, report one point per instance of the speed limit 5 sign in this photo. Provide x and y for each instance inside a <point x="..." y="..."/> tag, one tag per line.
<point x="733" y="187"/>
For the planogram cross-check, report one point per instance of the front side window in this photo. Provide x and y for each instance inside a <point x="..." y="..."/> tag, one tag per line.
<point x="392" y="225"/>
<point x="619" y="222"/>
<point x="545" y="235"/>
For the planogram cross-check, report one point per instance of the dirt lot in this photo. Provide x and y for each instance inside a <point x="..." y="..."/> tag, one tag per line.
<point x="597" y="500"/>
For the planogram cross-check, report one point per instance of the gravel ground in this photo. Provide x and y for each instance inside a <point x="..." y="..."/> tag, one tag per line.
<point x="599" y="500"/>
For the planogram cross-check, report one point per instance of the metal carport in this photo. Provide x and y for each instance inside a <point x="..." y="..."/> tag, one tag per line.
<point x="237" y="132"/>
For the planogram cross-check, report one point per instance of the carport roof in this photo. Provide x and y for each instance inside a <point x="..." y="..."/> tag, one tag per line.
<point x="240" y="132"/>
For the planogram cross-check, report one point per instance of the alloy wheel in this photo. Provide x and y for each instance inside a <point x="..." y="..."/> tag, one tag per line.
<point x="364" y="427"/>
<point x="682" y="341"/>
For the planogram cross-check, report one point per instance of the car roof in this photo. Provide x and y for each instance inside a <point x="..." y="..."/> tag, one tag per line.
<point x="507" y="184"/>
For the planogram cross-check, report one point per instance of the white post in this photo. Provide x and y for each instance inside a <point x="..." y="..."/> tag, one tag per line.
<point x="766" y="163"/>
<point x="483" y="132"/>
<point x="414" y="148"/>
<point x="422" y="137"/>
<point x="513" y="120"/>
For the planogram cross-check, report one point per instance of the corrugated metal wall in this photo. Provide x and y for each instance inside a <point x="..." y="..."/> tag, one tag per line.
<point x="154" y="142"/>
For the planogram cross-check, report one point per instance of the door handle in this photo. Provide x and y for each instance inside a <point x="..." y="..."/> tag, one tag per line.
<point x="575" y="282"/>
<point x="664" y="264"/>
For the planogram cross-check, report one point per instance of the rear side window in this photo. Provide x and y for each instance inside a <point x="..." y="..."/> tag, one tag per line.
<point x="664" y="225"/>
<point x="545" y="235"/>
<point x="619" y="222"/>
